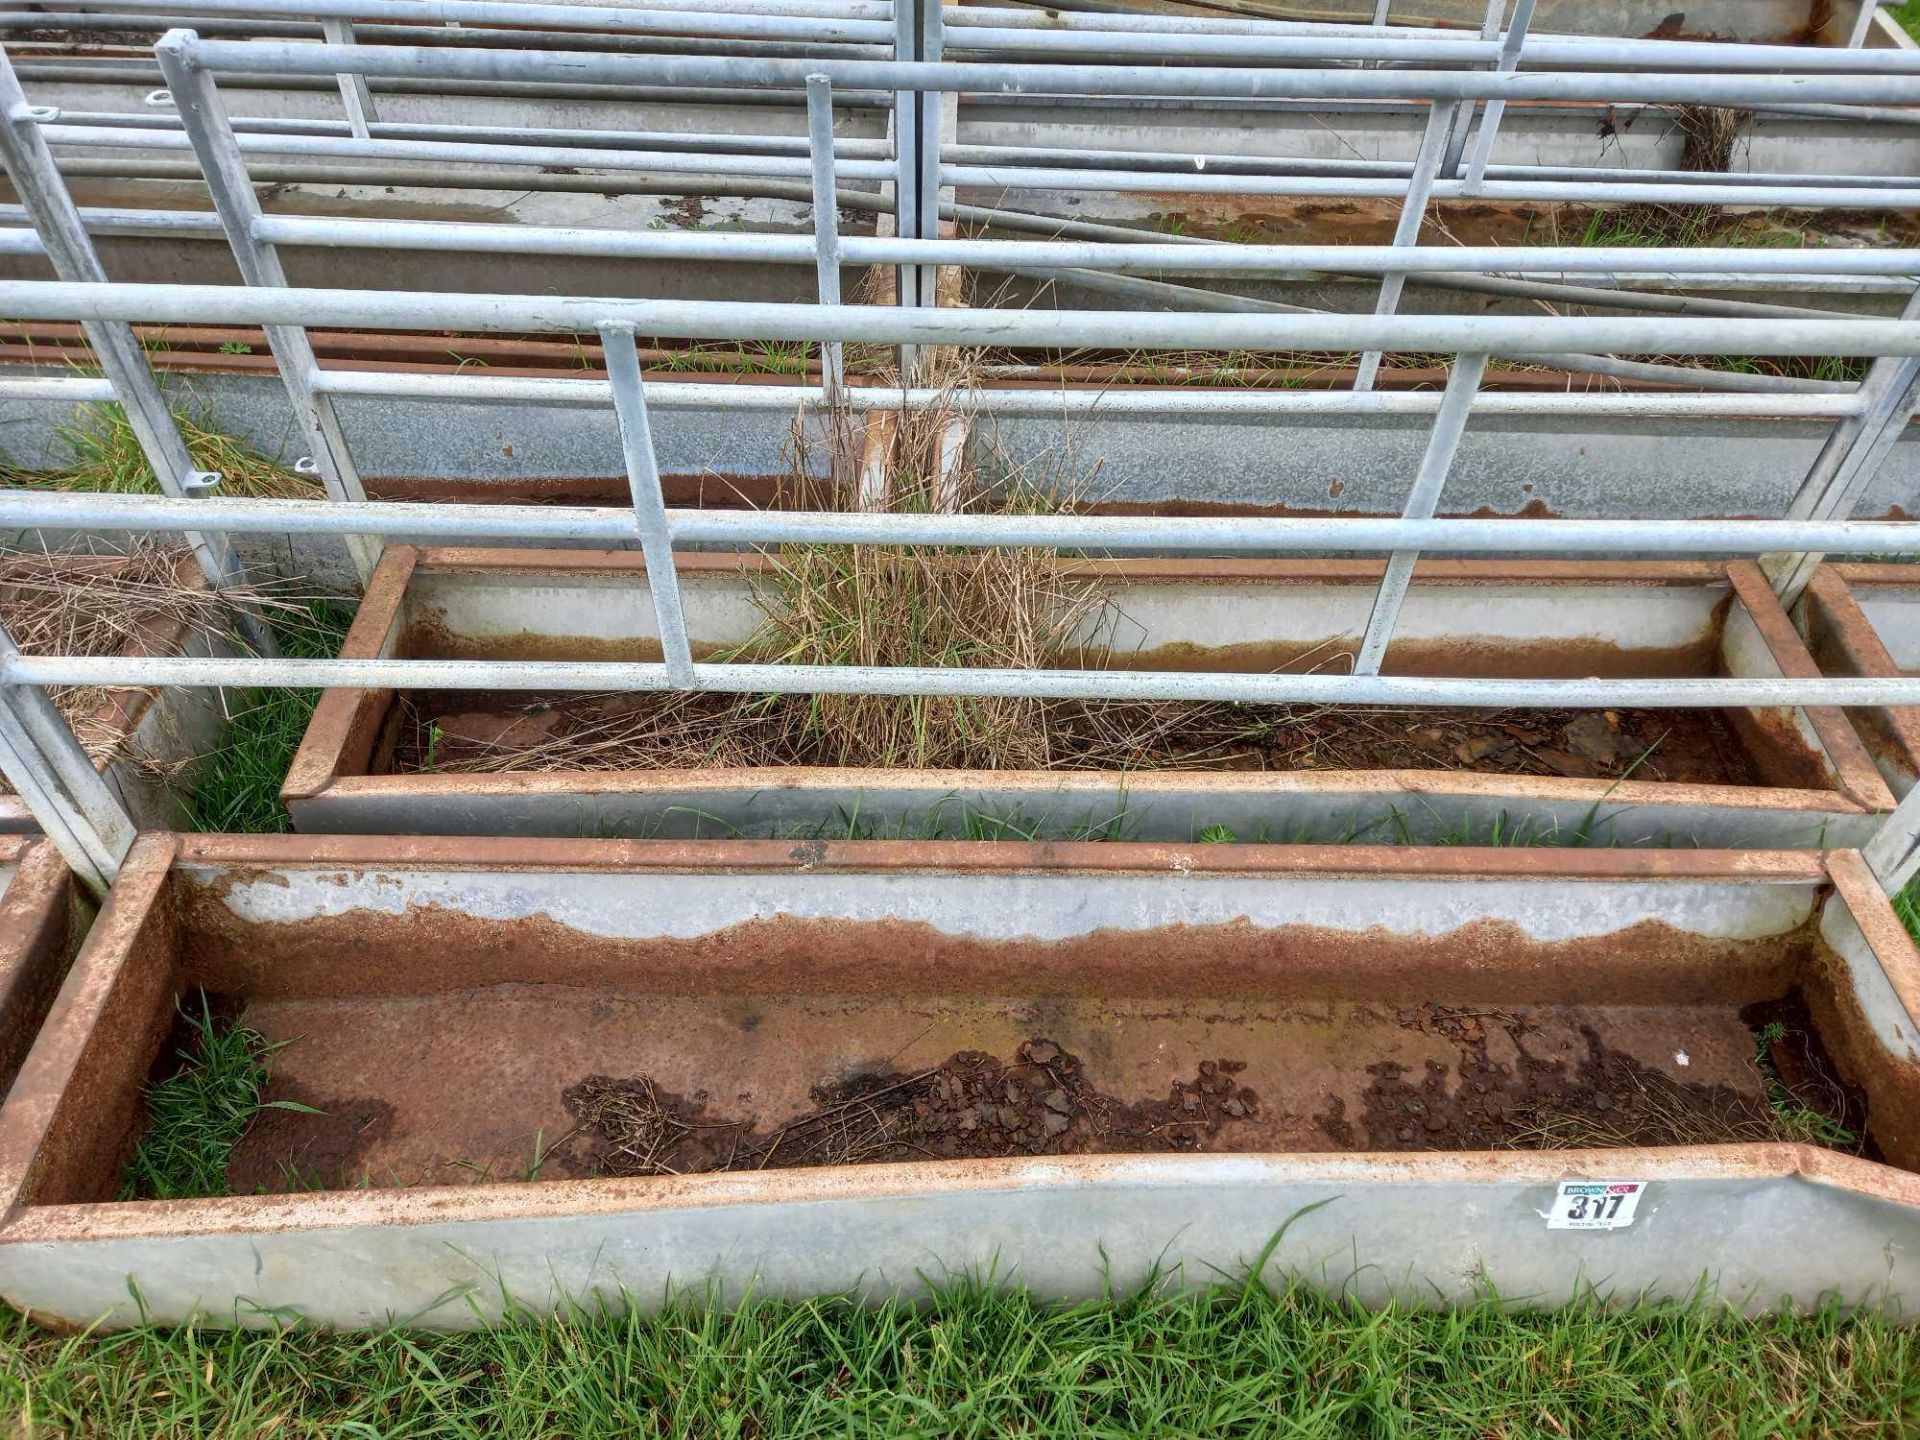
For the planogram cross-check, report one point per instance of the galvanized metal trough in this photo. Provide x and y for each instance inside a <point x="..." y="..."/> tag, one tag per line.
<point x="440" y="997"/>
<point x="1815" y="784"/>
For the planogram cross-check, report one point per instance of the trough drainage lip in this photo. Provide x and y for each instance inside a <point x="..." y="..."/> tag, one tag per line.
<point x="378" y="852"/>
<point x="319" y="775"/>
<point x="348" y="1209"/>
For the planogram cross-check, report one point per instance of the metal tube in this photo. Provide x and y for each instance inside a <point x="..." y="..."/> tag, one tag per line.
<point x="1893" y="854"/>
<point x="720" y="21"/>
<point x="1422" y="501"/>
<point x="451" y="152"/>
<point x="1406" y="232"/>
<point x="205" y="120"/>
<point x="54" y="387"/>
<point x="1123" y="257"/>
<point x="1884" y="77"/>
<point x="718" y="142"/>
<point x="649" y="505"/>
<point x="1716" y="192"/>
<point x="27" y="776"/>
<point x="1227" y="535"/>
<point x="1065" y="401"/>
<point x="58" y="774"/>
<point x="1858" y="192"/>
<point x="355" y="98"/>
<point x="1862" y="23"/>
<point x="826" y="222"/>
<point x="1490" y="120"/>
<point x="1164" y="685"/>
<point x="885" y="324"/>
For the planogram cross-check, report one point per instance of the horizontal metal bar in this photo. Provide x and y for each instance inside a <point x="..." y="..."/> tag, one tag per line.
<point x="604" y="14"/>
<point x="1234" y="534"/>
<point x="1175" y="165"/>
<point x="887" y="324"/>
<point x="720" y="143"/>
<point x="1569" y="192"/>
<point x="478" y="153"/>
<point x="1080" y="254"/>
<point x="1318" y="688"/>
<point x="55" y="387"/>
<point x="988" y="403"/>
<point x="1896" y="82"/>
<point x="1358" y="44"/>
<point x="722" y="20"/>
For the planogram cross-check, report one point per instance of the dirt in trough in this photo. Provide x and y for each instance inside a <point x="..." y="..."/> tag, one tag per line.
<point x="469" y="731"/>
<point x="515" y="1082"/>
<point x="321" y="1147"/>
<point x="973" y="1105"/>
<point x="1605" y="1098"/>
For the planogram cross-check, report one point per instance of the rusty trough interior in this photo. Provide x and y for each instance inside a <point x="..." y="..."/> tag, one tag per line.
<point x="1465" y="618"/>
<point x="737" y="1011"/>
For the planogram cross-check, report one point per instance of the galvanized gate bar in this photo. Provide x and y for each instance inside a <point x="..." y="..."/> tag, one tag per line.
<point x="1517" y="335"/>
<point x="49" y="770"/>
<point x="649" y="506"/>
<point x="1227" y="535"/>
<point x="1509" y="61"/>
<point x="826" y="225"/>
<point x="1448" y="426"/>
<point x="1413" y="211"/>
<point x="205" y="119"/>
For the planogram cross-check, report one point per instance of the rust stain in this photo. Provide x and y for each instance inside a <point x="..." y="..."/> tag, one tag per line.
<point x="1844" y="641"/>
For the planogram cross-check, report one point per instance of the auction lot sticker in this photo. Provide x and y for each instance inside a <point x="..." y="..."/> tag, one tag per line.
<point x="1595" y="1204"/>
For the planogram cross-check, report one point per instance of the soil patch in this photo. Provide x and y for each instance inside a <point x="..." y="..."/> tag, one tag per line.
<point x="302" y="1150"/>
<point x="475" y="731"/>
<point x="1604" y="1099"/>
<point x="973" y="1105"/>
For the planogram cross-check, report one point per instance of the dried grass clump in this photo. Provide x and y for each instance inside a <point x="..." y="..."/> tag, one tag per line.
<point x="104" y="600"/>
<point x="870" y="605"/>
<point x="1708" y="136"/>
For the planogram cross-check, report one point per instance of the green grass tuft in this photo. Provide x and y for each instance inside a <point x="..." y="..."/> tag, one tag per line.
<point x="107" y="460"/>
<point x="238" y="788"/>
<point x="197" y="1115"/>
<point x="982" y="1360"/>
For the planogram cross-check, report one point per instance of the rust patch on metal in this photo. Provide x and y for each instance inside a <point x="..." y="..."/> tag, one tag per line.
<point x="1853" y="768"/>
<point x="354" y="953"/>
<point x="40" y="920"/>
<point x="1845" y="642"/>
<point x="70" y="1120"/>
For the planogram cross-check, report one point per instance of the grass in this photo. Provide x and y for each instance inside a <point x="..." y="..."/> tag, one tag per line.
<point x="977" y="1359"/>
<point x="1907" y="16"/>
<point x="196" y="1115"/>
<point x="238" y="787"/>
<point x="106" y="459"/>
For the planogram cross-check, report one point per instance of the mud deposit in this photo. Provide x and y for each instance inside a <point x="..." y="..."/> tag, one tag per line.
<point x="1602" y="1098"/>
<point x="515" y="1082"/>
<point x="485" y="732"/>
<point x="972" y="1105"/>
